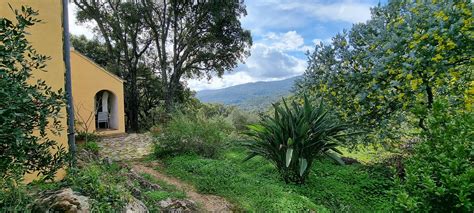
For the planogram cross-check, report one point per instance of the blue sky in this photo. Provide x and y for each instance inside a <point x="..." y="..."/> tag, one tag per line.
<point x="282" y="31"/>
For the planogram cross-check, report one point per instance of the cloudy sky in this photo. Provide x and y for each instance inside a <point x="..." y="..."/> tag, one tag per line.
<point x="282" y="31"/>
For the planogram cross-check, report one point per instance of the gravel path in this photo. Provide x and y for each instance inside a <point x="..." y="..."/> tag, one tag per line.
<point x="126" y="147"/>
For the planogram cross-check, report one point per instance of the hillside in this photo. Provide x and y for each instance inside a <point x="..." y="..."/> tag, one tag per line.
<point x="249" y="96"/>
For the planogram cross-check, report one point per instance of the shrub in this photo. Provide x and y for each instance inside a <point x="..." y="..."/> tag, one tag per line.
<point x="210" y="110"/>
<point x="294" y="137"/>
<point x="92" y="146"/>
<point x="102" y="184"/>
<point x="241" y="119"/>
<point x="191" y="134"/>
<point x="30" y="111"/>
<point x="13" y="197"/>
<point x="439" y="176"/>
<point x="87" y="136"/>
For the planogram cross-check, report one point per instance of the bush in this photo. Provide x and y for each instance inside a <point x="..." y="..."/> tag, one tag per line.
<point x="294" y="137"/>
<point x="87" y="136"/>
<point x="13" y="197"/>
<point x="30" y="111"/>
<point x="241" y="119"/>
<point x="439" y="175"/>
<point x="102" y="184"/>
<point x="92" y="146"/>
<point x="191" y="134"/>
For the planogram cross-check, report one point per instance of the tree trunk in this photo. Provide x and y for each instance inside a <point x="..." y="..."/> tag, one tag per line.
<point x="169" y="97"/>
<point x="133" y="102"/>
<point x="429" y="92"/>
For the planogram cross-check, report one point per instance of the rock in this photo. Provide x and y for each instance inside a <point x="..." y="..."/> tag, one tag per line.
<point x="107" y="161"/>
<point x="135" y="206"/>
<point x="135" y="191"/>
<point x="63" y="200"/>
<point x="84" y="157"/>
<point x="132" y="175"/>
<point x="176" y="205"/>
<point x="349" y="161"/>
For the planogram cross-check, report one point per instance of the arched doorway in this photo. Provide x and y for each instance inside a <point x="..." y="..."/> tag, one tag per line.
<point x="106" y="111"/>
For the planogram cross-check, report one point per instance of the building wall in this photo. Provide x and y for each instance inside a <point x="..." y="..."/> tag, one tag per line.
<point x="47" y="39"/>
<point x="88" y="79"/>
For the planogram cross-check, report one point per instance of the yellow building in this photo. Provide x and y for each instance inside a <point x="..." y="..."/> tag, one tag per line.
<point x="98" y="97"/>
<point x="94" y="89"/>
<point x="47" y="39"/>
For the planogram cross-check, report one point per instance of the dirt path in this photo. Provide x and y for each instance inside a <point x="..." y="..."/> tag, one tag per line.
<point x="210" y="203"/>
<point x="132" y="147"/>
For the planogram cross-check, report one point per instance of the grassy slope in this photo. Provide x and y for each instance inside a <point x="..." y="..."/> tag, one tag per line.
<point x="255" y="185"/>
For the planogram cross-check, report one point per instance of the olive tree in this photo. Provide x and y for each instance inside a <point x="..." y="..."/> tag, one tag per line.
<point x="390" y="70"/>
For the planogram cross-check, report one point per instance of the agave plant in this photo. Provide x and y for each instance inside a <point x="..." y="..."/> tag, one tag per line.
<point x="294" y="137"/>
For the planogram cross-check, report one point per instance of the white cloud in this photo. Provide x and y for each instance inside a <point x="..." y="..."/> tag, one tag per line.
<point x="278" y="48"/>
<point x="74" y="27"/>
<point x="289" y="41"/>
<point x="266" y="63"/>
<point x="228" y="80"/>
<point x="298" y="14"/>
<point x="324" y="41"/>
<point x="348" y="11"/>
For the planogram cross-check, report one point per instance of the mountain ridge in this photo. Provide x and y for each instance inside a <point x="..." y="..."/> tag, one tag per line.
<point x="249" y="96"/>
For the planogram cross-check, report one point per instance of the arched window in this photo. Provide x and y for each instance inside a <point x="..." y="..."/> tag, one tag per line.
<point x="106" y="110"/>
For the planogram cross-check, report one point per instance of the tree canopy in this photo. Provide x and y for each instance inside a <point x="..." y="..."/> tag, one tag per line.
<point x="195" y="39"/>
<point x="175" y="40"/>
<point x="390" y="70"/>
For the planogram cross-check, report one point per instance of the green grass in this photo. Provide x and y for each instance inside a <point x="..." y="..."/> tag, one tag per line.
<point x="105" y="185"/>
<point x="366" y="155"/>
<point x="256" y="186"/>
<point x="169" y="191"/>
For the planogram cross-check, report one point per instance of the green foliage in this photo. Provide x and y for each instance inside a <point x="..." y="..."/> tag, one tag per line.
<point x="256" y="187"/>
<point x="93" y="49"/>
<point x="355" y="188"/>
<point x="151" y="109"/>
<point x="214" y="110"/>
<point x="157" y="195"/>
<point x="107" y="186"/>
<point x="87" y="136"/>
<point x="150" y="94"/>
<point x="389" y="70"/>
<point x="151" y="198"/>
<point x="294" y="137"/>
<point x="92" y="146"/>
<point x="257" y="96"/>
<point x="241" y="119"/>
<point x="102" y="184"/>
<point x="13" y="197"/>
<point x="89" y="141"/>
<point x="169" y="190"/>
<point x="187" y="134"/>
<point x="440" y="174"/>
<point x="29" y="111"/>
<point x="237" y="117"/>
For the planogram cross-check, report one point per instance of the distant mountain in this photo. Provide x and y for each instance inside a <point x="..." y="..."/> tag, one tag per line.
<point x="249" y="96"/>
